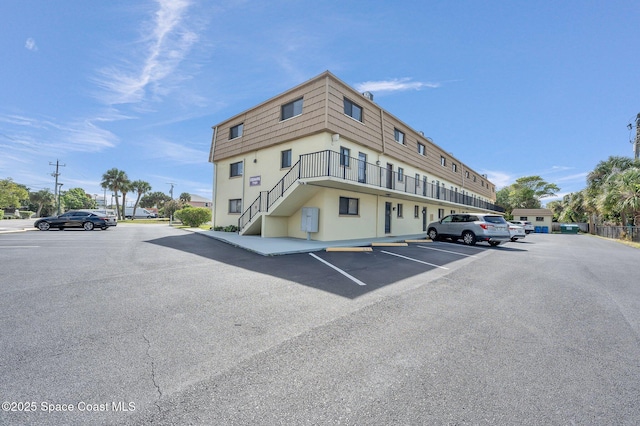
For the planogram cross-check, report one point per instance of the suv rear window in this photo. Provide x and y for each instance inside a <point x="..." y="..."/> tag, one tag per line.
<point x="494" y="219"/>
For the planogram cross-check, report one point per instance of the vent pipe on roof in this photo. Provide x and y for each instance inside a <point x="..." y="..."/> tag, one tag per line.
<point x="368" y="95"/>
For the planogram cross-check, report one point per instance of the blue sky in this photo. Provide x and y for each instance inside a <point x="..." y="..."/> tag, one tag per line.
<point x="511" y="88"/>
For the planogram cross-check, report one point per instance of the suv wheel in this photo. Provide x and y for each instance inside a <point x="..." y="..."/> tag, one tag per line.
<point x="469" y="238"/>
<point x="433" y="234"/>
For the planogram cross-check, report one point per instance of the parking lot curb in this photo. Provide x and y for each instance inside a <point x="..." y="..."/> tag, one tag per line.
<point x="418" y="241"/>
<point x="349" y="249"/>
<point x="389" y="244"/>
<point x="14" y="231"/>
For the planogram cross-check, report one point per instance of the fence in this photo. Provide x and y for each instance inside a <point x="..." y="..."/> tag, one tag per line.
<point x="631" y="233"/>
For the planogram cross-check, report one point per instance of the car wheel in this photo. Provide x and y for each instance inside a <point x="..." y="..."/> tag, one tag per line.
<point x="44" y="226"/>
<point x="514" y="239"/>
<point x="104" y="228"/>
<point x="433" y="234"/>
<point x="88" y="226"/>
<point x="469" y="238"/>
<point x="494" y="243"/>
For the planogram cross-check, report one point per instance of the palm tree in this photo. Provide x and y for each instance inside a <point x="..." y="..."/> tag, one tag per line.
<point x="140" y="187"/>
<point x="124" y="188"/>
<point x="114" y="180"/>
<point x="185" y="198"/>
<point x="41" y="198"/>
<point x="622" y="196"/>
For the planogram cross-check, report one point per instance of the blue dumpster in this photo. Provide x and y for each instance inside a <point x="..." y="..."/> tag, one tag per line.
<point x="538" y="229"/>
<point x="545" y="229"/>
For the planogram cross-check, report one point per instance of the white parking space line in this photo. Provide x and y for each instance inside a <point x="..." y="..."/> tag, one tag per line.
<point x="447" y="251"/>
<point x="351" y="277"/>
<point x="1" y="247"/>
<point x="413" y="260"/>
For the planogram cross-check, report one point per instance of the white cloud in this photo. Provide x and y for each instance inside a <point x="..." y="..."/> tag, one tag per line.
<point x="41" y="136"/>
<point x="30" y="44"/>
<point x="499" y="179"/>
<point x="164" y="45"/>
<point x="177" y="153"/>
<point x="394" y="85"/>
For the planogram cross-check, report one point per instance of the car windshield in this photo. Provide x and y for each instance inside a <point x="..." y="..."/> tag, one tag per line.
<point x="494" y="219"/>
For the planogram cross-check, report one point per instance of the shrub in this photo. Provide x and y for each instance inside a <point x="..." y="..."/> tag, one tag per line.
<point x="193" y="216"/>
<point x="230" y="228"/>
<point x="1" y="214"/>
<point x="26" y="214"/>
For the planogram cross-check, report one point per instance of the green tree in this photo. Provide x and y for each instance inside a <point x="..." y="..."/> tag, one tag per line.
<point x="77" y="198"/>
<point x="525" y="193"/>
<point x="621" y="196"/>
<point x="113" y="180"/>
<point x="42" y="199"/>
<point x="185" y="198"/>
<point x="170" y="207"/>
<point x="193" y="216"/>
<point x="12" y="194"/>
<point x="125" y="187"/>
<point x="604" y="188"/>
<point x="154" y="199"/>
<point x="140" y="187"/>
<point x="571" y="208"/>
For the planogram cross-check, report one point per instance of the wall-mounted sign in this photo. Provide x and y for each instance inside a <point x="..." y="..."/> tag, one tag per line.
<point x="254" y="181"/>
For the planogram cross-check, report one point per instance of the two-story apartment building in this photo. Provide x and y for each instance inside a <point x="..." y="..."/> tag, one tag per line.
<point x="325" y="162"/>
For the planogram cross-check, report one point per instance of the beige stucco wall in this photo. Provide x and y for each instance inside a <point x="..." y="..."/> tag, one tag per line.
<point x="532" y="214"/>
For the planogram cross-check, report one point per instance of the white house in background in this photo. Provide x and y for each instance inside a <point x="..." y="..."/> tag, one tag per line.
<point x="325" y="162"/>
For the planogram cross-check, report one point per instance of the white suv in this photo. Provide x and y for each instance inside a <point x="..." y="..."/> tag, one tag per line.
<point x="471" y="228"/>
<point x="528" y="226"/>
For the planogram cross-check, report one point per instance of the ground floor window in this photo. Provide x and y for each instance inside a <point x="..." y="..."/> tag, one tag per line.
<point x="235" y="206"/>
<point x="416" y="211"/>
<point x="399" y="210"/>
<point x="440" y="213"/>
<point x="348" y="206"/>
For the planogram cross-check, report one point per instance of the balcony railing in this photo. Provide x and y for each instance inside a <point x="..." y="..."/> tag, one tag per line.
<point x="333" y="164"/>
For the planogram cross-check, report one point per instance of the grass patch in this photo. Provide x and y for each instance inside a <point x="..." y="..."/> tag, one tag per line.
<point x="625" y="242"/>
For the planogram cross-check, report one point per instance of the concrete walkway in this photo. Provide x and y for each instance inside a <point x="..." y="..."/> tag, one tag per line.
<point x="285" y="245"/>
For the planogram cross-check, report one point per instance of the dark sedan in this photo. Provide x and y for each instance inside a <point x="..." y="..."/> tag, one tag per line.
<point x="73" y="219"/>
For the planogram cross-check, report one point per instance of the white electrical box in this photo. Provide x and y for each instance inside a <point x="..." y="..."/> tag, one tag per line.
<point x="310" y="219"/>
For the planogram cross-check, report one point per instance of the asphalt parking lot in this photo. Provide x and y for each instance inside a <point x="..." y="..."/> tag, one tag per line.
<point x="148" y="324"/>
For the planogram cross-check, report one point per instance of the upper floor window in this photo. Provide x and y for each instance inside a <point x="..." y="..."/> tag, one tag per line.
<point x="454" y="167"/>
<point x="400" y="174"/>
<point x="345" y="153"/>
<point x="291" y="109"/>
<point x="466" y="174"/>
<point x="443" y="161"/>
<point x="352" y="110"/>
<point x="236" y="131"/>
<point x="285" y="159"/>
<point x="236" y="169"/>
<point x="421" y="149"/>
<point x="398" y="136"/>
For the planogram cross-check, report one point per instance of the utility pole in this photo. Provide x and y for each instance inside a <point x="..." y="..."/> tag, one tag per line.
<point x="55" y="189"/>
<point x="171" y="190"/>
<point x="636" y="148"/>
<point x="171" y="195"/>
